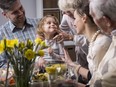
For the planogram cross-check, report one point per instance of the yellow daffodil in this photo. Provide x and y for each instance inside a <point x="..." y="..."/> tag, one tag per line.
<point x="1" y="48"/>
<point x="21" y="45"/>
<point x="10" y="43"/>
<point x="41" y="53"/>
<point x="29" y="43"/>
<point x="2" y="43"/>
<point x="42" y="77"/>
<point x="29" y="54"/>
<point x="51" y="70"/>
<point x="43" y="45"/>
<point x="38" y="40"/>
<point x="61" y="68"/>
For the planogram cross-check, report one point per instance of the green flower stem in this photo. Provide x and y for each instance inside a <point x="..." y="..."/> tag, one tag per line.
<point x="21" y="81"/>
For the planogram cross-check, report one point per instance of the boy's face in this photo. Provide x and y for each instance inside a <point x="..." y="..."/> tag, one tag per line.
<point x="17" y="14"/>
<point x="50" y="26"/>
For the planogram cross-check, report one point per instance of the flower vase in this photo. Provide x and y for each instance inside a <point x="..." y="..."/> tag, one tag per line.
<point x="21" y="81"/>
<point x="52" y="77"/>
<point x="23" y="77"/>
<point x="51" y="80"/>
<point x="21" y="56"/>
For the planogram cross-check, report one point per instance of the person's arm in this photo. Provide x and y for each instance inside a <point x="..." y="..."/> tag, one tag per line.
<point x="78" y="69"/>
<point x="55" y="55"/>
<point x="63" y="36"/>
<point x="83" y="71"/>
<point x="2" y="63"/>
<point x="80" y="85"/>
<point x="64" y="24"/>
<point x="108" y="77"/>
<point x="2" y="55"/>
<point x="3" y="59"/>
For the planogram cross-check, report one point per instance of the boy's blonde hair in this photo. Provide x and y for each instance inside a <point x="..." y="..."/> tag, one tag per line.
<point x="40" y="30"/>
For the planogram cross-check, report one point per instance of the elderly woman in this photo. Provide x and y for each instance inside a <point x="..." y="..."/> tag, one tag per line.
<point x="67" y="18"/>
<point x="103" y="13"/>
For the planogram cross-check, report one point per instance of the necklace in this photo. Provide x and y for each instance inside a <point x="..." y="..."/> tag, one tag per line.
<point x="91" y="42"/>
<point x="94" y="37"/>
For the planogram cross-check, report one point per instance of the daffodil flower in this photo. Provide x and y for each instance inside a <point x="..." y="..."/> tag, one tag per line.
<point x="10" y="43"/>
<point x="38" y="40"/>
<point x="41" y="53"/>
<point x="51" y="70"/>
<point x="43" y="45"/>
<point x="21" y="45"/>
<point x="1" y="48"/>
<point x="29" y="54"/>
<point x="29" y="43"/>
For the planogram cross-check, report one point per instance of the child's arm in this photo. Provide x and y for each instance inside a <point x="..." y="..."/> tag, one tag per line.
<point x="58" y="56"/>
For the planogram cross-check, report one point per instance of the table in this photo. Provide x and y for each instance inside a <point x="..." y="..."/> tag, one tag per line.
<point x="52" y="84"/>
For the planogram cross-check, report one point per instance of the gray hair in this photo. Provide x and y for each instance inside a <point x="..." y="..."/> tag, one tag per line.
<point x="104" y="8"/>
<point x="67" y="5"/>
<point x="6" y="4"/>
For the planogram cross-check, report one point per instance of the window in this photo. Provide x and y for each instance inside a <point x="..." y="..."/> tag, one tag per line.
<point x="50" y="7"/>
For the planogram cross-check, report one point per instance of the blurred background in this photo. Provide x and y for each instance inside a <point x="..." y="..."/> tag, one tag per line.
<point x="38" y="8"/>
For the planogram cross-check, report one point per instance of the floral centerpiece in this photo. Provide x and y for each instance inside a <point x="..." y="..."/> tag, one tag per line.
<point x="21" y="56"/>
<point x="56" y="71"/>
